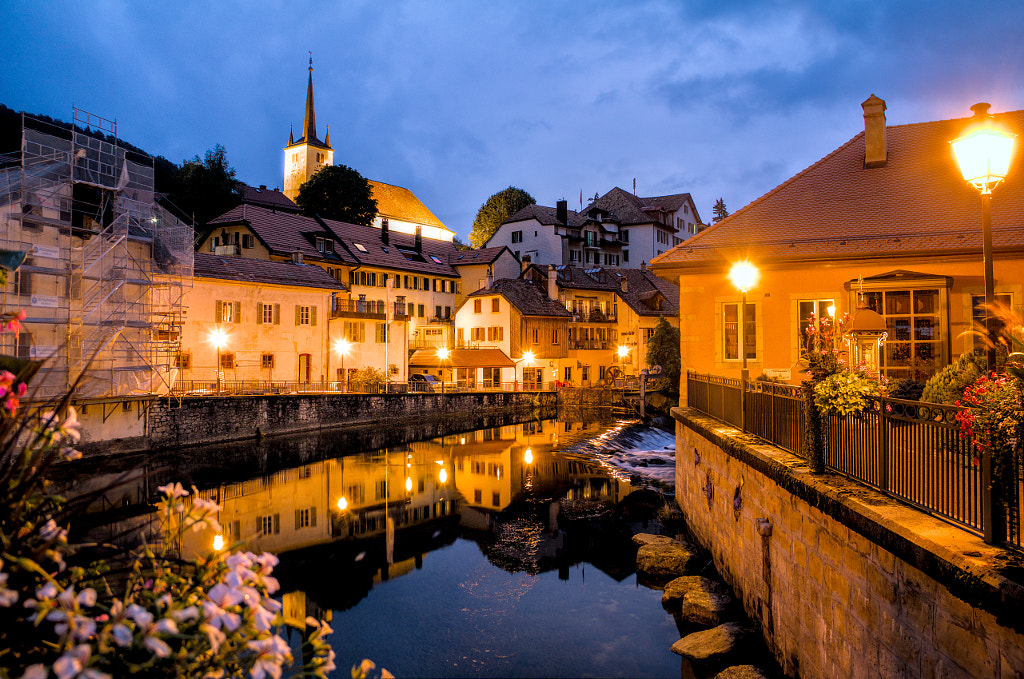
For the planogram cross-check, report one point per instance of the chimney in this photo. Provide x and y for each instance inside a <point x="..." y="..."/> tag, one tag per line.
<point x="643" y="267"/>
<point x="419" y="238"/>
<point x="384" y="231"/>
<point x="874" y="132"/>
<point x="490" y="278"/>
<point x="552" y="282"/>
<point x="562" y="212"/>
<point x="297" y="257"/>
<point x="526" y="262"/>
<point x="623" y="284"/>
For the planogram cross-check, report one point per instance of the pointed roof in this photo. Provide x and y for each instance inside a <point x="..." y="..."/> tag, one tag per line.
<point x="396" y="202"/>
<point x="837" y="208"/>
<point x="309" y="122"/>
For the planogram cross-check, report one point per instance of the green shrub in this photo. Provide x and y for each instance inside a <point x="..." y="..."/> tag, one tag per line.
<point x="947" y="386"/>
<point x="846" y="393"/>
<point x="907" y="390"/>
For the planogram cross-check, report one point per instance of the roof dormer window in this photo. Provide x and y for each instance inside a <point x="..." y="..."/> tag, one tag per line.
<point x="329" y="245"/>
<point x="319" y="244"/>
<point x="361" y="247"/>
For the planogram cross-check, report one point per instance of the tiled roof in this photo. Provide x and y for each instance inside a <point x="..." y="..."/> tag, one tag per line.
<point x="529" y="298"/>
<point x="282" y="232"/>
<point x="399" y="203"/>
<point x="670" y="203"/>
<point x="836" y="208"/>
<point x="265" y="197"/>
<point x="262" y="271"/>
<point x="480" y="256"/>
<point x="490" y="357"/>
<point x="399" y="253"/>
<point x="624" y="207"/>
<point x="641" y="288"/>
<point x="548" y="216"/>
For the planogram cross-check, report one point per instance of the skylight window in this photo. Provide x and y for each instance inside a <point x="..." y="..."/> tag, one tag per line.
<point x="436" y="260"/>
<point x="361" y="247"/>
<point x="383" y="248"/>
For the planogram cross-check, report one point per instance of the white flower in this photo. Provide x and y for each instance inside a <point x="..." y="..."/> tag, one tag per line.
<point x="157" y="647"/>
<point x="183" y="614"/>
<point x="225" y="596"/>
<point x="8" y="597"/>
<point x="262" y="618"/>
<point x="164" y="625"/>
<point x="217" y="617"/>
<point x="71" y="663"/>
<point x="51" y="531"/>
<point x="36" y="671"/>
<point x="272" y="653"/>
<point x="87" y="597"/>
<point x="214" y="635"/>
<point x="122" y="635"/>
<point x="140" y="615"/>
<point x="238" y="560"/>
<point x="47" y="591"/>
<point x="173" y="491"/>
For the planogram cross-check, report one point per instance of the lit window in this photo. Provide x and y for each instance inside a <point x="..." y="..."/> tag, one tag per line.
<point x="734" y="342"/>
<point x="361" y="247"/>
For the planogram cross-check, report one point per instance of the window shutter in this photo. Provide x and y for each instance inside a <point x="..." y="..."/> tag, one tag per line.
<point x="277" y="314"/>
<point x="312" y="516"/>
<point x="259" y="313"/>
<point x="238" y="313"/>
<point x="298" y="314"/>
<point x="277" y="523"/>
<point x="259" y="525"/>
<point x="312" y="315"/>
<point x="297" y="519"/>
<point x="218" y="314"/>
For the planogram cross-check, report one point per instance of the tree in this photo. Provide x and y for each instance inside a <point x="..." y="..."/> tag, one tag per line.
<point x="338" y="192"/>
<point x="497" y="209"/>
<point x="206" y="188"/>
<point x="720" y="211"/>
<point x="663" y="350"/>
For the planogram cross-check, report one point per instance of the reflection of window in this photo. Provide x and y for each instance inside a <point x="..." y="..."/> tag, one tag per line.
<point x="305" y="518"/>
<point x="733" y="341"/>
<point x="912" y="319"/>
<point x="496" y="499"/>
<point x="268" y="525"/>
<point x="978" y="317"/>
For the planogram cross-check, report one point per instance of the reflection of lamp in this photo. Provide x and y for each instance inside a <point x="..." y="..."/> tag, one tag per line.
<point x="218" y="338"/>
<point x="442" y="475"/>
<point x="443" y="353"/>
<point x="218" y="542"/>
<point x="342" y="503"/>
<point x="408" y="484"/>
<point x="983" y="153"/>
<point x="528" y="456"/>
<point x="743" y="276"/>
<point x="342" y="347"/>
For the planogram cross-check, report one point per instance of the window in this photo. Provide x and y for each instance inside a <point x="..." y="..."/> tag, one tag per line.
<point x="426" y="283"/>
<point x="820" y="308"/>
<point x="517" y="236"/>
<point x="382" y="333"/>
<point x="554" y="335"/>
<point x="227" y="361"/>
<point x="496" y="499"/>
<point x="268" y="314"/>
<point x="381" y="489"/>
<point x="267" y="361"/>
<point x="269" y="524"/>
<point x="495" y="333"/>
<point x="329" y="245"/>
<point x="305" y="518"/>
<point x="912" y="318"/>
<point x="411" y="309"/>
<point x="734" y="342"/>
<point x="248" y="241"/>
<point x="478" y="496"/>
<point x="536" y="335"/>
<point x="319" y="244"/>
<point x="477" y="306"/>
<point x="305" y="315"/>
<point x="419" y="310"/>
<point x="495" y="305"/>
<point x="624" y="235"/>
<point x="183" y="360"/>
<point x="227" y="312"/>
<point x="476" y="334"/>
<point x="568" y="374"/>
<point x="625" y="255"/>
<point x="354" y="331"/>
<point x="978" y="317"/>
<point x="360" y="247"/>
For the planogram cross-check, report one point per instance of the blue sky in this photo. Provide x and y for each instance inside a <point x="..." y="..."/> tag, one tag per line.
<point x="457" y="100"/>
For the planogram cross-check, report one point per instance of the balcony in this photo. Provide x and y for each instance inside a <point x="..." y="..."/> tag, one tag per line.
<point x="593" y="316"/>
<point x="232" y="250"/>
<point x="590" y="345"/>
<point x="354" y="308"/>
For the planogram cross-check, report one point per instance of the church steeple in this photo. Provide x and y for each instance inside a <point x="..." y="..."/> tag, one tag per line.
<point x="327" y="139"/>
<point x="309" y="124"/>
<point x="291" y="135"/>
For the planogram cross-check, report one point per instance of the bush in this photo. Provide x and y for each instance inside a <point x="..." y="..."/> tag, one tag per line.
<point x="907" y="390"/>
<point x="947" y="386"/>
<point x="846" y="393"/>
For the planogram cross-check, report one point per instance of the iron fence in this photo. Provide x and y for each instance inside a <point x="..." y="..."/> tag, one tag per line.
<point x="909" y="450"/>
<point x="263" y="387"/>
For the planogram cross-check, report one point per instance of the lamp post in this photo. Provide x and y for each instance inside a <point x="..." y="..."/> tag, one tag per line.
<point x="743" y="276"/>
<point x="443" y="353"/>
<point x="342" y="347"/>
<point x="218" y="338"/>
<point x="527" y="359"/>
<point x="983" y="152"/>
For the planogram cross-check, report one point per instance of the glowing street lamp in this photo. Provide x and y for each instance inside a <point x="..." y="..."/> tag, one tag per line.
<point x="342" y="347"/>
<point x="744" y="276"/>
<point x="342" y="503"/>
<point x="984" y="151"/>
<point x="219" y="339"/>
<point x="622" y="352"/>
<point x="443" y="353"/>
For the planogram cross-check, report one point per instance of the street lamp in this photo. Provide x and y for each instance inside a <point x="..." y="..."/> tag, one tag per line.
<point x="443" y="353"/>
<point x="342" y="347"/>
<point x="743" y="276"/>
<point x="983" y="151"/>
<point x="218" y="338"/>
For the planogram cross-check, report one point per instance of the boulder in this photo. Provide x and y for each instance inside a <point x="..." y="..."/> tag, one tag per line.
<point x="699" y="600"/>
<point x="660" y="561"/>
<point x="741" y="672"/>
<point x="710" y="645"/>
<point x="642" y="539"/>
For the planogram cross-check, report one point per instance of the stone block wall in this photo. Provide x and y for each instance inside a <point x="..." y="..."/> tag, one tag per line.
<point x="843" y="581"/>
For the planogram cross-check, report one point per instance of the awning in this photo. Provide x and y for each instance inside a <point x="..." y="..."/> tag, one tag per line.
<point x="462" y="358"/>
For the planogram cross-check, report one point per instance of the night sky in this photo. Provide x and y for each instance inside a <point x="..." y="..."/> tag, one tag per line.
<point x="457" y="100"/>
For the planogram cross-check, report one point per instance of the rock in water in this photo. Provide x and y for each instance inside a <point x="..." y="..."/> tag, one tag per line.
<point x="741" y="672"/>
<point x="712" y="644"/>
<point x="664" y="560"/>
<point x="648" y="539"/>
<point x="699" y="600"/>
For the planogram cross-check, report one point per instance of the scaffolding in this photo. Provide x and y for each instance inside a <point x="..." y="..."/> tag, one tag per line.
<point x="107" y="267"/>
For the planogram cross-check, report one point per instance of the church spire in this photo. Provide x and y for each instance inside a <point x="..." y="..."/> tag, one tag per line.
<point x="327" y="139"/>
<point x="291" y="135"/>
<point x="309" y="124"/>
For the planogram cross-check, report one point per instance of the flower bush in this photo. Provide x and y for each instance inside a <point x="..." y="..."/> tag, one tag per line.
<point x="847" y="392"/>
<point x="992" y="414"/>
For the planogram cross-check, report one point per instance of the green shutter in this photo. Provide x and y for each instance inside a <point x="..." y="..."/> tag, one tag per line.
<point x="298" y="314"/>
<point x="312" y="315"/>
<point x="218" y="313"/>
<point x="277" y="314"/>
<point x="238" y="312"/>
<point x="298" y="517"/>
<point x="312" y="517"/>
<point x="259" y="313"/>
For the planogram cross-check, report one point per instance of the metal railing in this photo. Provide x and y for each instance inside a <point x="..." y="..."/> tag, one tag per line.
<point x="368" y="306"/>
<point x="908" y="450"/>
<point x="262" y="387"/>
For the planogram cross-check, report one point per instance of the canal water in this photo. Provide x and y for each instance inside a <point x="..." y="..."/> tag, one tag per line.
<point x="500" y="552"/>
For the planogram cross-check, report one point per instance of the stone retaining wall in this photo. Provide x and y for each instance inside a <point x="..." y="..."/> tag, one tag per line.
<point x="843" y="581"/>
<point x="172" y="423"/>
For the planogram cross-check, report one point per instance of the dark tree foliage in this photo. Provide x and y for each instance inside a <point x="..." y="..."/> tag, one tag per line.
<point x="338" y="192"/>
<point x="663" y="350"/>
<point x="719" y="211"/>
<point x="205" y="188"/>
<point x="494" y="211"/>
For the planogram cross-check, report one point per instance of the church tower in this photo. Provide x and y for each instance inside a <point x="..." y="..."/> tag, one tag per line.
<point x="304" y="157"/>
